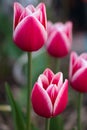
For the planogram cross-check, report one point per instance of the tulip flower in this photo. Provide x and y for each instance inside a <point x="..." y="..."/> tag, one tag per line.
<point x="29" y="26"/>
<point x="59" y="39"/>
<point x="78" y="72"/>
<point x="49" y="95"/>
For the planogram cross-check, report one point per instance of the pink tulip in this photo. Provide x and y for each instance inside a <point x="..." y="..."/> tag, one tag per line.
<point x="59" y="39"/>
<point x="78" y="72"/>
<point x="49" y="95"/>
<point x="29" y="26"/>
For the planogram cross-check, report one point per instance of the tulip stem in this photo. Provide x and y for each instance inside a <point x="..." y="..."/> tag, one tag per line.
<point x="79" y="111"/>
<point x="29" y="87"/>
<point x="47" y="124"/>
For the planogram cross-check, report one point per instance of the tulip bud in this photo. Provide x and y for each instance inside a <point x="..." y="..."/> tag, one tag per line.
<point x="78" y="72"/>
<point x="59" y="39"/>
<point x="49" y="95"/>
<point x="29" y="26"/>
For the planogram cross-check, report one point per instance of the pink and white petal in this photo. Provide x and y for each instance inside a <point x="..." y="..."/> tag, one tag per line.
<point x="78" y="65"/>
<point x="31" y="8"/>
<point x="18" y="9"/>
<point x="50" y="31"/>
<point x="43" y="81"/>
<point x="29" y="34"/>
<point x="59" y="26"/>
<point x="79" y="80"/>
<point x="68" y="30"/>
<point x="49" y="74"/>
<point x="61" y="100"/>
<point x="41" y="101"/>
<point x="43" y="18"/>
<point x="84" y="56"/>
<point x="58" y="79"/>
<point x="52" y="91"/>
<point x="37" y="14"/>
<point x="58" y="44"/>
<point x="49" y="27"/>
<point x="73" y="59"/>
<point x="25" y="13"/>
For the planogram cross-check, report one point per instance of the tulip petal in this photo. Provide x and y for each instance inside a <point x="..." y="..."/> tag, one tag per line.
<point x="43" y="20"/>
<point x="31" y="8"/>
<point x="18" y="9"/>
<point x="49" y="28"/>
<point x="79" y="64"/>
<point x="37" y="14"/>
<point x="73" y="58"/>
<point x="57" y="41"/>
<point x="79" y="80"/>
<point x="43" y="81"/>
<point x="41" y="102"/>
<point x="49" y="74"/>
<point x="59" y="26"/>
<point x="58" y="79"/>
<point x="52" y="91"/>
<point x="25" y="13"/>
<point x="29" y="35"/>
<point x="84" y="56"/>
<point x="61" y="100"/>
<point x="68" y="30"/>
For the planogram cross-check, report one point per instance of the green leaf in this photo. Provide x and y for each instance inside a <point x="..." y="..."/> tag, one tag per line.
<point x="56" y="123"/>
<point x="16" y="111"/>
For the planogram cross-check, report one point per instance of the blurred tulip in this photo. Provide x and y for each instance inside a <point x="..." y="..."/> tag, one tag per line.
<point x="59" y="39"/>
<point x="49" y="95"/>
<point x="29" y="26"/>
<point x="78" y="72"/>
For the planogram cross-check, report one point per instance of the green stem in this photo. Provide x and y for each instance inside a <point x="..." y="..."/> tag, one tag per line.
<point x="56" y="123"/>
<point x="29" y="87"/>
<point x="79" y="111"/>
<point x="47" y="124"/>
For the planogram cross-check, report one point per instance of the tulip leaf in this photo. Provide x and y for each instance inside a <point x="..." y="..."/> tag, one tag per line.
<point x="56" y="123"/>
<point x="16" y="111"/>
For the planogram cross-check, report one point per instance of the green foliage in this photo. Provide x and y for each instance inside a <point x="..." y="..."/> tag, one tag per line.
<point x="16" y="111"/>
<point x="5" y="25"/>
<point x="8" y="49"/>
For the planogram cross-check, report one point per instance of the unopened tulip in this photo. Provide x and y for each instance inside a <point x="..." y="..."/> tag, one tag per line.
<point x="78" y="72"/>
<point x="29" y="26"/>
<point x="59" y="40"/>
<point x="49" y="95"/>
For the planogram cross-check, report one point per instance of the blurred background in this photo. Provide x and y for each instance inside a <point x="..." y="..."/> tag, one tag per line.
<point x="13" y="61"/>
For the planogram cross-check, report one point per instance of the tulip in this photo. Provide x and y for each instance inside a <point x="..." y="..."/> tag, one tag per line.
<point x="59" y="39"/>
<point x="49" y="95"/>
<point x="29" y="26"/>
<point x="78" y="72"/>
